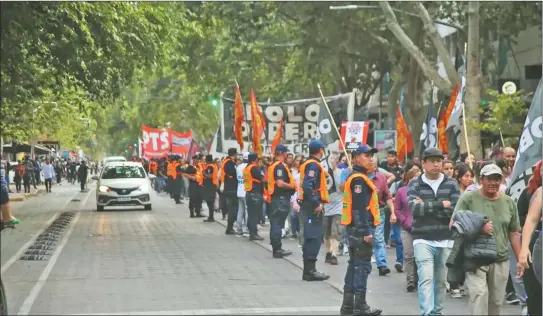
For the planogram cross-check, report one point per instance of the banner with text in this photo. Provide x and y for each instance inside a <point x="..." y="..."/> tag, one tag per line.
<point x="156" y="142"/>
<point x="180" y="142"/>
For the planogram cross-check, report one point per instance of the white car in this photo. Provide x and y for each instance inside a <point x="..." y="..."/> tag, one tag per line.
<point x="123" y="184"/>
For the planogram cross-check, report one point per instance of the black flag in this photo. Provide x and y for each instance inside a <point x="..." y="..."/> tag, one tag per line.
<point x="428" y="137"/>
<point x="529" y="147"/>
<point x="327" y="133"/>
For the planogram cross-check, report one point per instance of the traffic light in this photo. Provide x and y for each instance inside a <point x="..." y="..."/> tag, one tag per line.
<point x="214" y="101"/>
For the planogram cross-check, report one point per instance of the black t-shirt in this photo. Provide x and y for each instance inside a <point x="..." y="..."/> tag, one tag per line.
<point x="396" y="170"/>
<point x="280" y="173"/>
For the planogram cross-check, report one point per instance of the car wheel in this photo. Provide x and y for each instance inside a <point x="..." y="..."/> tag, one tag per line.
<point x="99" y="208"/>
<point x="148" y="207"/>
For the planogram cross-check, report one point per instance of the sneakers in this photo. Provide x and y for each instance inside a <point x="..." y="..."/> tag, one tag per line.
<point x="456" y="293"/>
<point x="373" y="259"/>
<point x="511" y="299"/>
<point x="346" y="251"/>
<point x="399" y="267"/>
<point x="383" y="271"/>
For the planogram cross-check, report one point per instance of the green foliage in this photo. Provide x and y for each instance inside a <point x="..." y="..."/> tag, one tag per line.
<point x="503" y="113"/>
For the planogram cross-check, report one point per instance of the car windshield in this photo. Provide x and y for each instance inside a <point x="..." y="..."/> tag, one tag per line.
<point x="123" y="172"/>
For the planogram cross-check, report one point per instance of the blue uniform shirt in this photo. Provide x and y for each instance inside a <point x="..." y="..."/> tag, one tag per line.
<point x="361" y="195"/>
<point x="311" y="184"/>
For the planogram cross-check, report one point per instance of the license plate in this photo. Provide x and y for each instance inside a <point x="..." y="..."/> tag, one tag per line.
<point x="123" y="199"/>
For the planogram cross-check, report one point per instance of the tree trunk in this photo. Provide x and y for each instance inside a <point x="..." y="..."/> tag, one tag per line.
<point x="473" y="82"/>
<point x="425" y="65"/>
<point x="413" y="103"/>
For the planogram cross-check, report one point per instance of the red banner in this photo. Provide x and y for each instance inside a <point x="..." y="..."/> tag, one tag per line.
<point x="180" y="142"/>
<point x="156" y="142"/>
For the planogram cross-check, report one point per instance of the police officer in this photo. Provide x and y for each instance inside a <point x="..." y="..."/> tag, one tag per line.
<point x="170" y="173"/>
<point x="210" y="185"/>
<point x="281" y="186"/>
<point x="360" y="215"/>
<point x="195" y="200"/>
<point x="313" y="194"/>
<point x="177" y="179"/>
<point x="253" y="182"/>
<point x="229" y="182"/>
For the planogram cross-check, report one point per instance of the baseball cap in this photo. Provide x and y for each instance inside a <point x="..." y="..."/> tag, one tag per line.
<point x="432" y="152"/>
<point x="281" y="149"/>
<point x="245" y="156"/>
<point x="364" y="149"/>
<point x="316" y="144"/>
<point x="491" y="169"/>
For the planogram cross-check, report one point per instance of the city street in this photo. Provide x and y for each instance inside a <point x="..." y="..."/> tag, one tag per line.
<point x="161" y="262"/>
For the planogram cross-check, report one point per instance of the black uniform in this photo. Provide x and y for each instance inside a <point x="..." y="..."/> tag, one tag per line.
<point x="255" y="201"/>
<point x="230" y="193"/>
<point x="195" y="199"/>
<point x="209" y="191"/>
<point x="177" y="184"/>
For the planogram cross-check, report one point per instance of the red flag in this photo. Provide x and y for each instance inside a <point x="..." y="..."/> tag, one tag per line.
<point x="403" y="136"/>
<point x="238" y="118"/>
<point x="278" y="136"/>
<point x="258" y="124"/>
<point x="443" y="142"/>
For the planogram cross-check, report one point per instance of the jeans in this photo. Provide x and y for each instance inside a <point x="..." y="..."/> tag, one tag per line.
<point x="160" y="183"/>
<point x="518" y="284"/>
<point x="48" y="184"/>
<point x="396" y="236"/>
<point x="254" y="202"/>
<point x="294" y="223"/>
<point x="278" y="212"/>
<point x="409" y="259"/>
<point x="379" y="245"/>
<point x="432" y="274"/>
<point x="242" y="214"/>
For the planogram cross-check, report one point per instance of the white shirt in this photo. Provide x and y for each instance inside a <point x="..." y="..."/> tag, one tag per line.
<point x="434" y="184"/>
<point x="48" y="171"/>
<point x="336" y="198"/>
<point x="239" y="174"/>
<point x="296" y="175"/>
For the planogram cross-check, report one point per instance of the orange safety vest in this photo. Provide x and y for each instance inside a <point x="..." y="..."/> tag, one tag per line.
<point x="265" y="194"/>
<point x="153" y="166"/>
<point x="248" y="178"/>
<point x="271" y="177"/>
<point x="175" y="164"/>
<point x="214" y="175"/>
<point x="373" y="207"/>
<point x="323" y="187"/>
<point x="170" y="171"/>
<point x="200" y="173"/>
<point x="223" y="174"/>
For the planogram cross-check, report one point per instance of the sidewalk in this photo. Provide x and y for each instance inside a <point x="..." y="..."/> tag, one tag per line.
<point x="385" y="292"/>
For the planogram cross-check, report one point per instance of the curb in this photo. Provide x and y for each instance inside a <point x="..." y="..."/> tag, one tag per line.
<point x="26" y="196"/>
<point x="288" y="259"/>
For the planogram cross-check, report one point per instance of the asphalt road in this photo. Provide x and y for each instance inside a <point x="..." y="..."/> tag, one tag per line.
<point x="161" y="262"/>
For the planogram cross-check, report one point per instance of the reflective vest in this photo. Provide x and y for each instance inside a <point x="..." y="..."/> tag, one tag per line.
<point x="175" y="164"/>
<point x="323" y="187"/>
<point x="200" y="173"/>
<point x="214" y="174"/>
<point x="153" y="166"/>
<point x="373" y="206"/>
<point x="265" y="194"/>
<point x="248" y="177"/>
<point x="271" y="176"/>
<point x="223" y="173"/>
<point x="170" y="171"/>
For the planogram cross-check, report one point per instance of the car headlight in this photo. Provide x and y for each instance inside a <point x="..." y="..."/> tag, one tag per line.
<point x="103" y="189"/>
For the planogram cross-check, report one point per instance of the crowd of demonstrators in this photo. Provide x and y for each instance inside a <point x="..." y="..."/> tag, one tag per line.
<point x="422" y="208"/>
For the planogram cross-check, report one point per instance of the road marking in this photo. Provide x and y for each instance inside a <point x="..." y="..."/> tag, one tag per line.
<point x="234" y="311"/>
<point x="21" y="251"/>
<point x="33" y="295"/>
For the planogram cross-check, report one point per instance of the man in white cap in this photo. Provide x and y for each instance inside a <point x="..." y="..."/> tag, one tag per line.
<point x="487" y="284"/>
<point x="242" y="206"/>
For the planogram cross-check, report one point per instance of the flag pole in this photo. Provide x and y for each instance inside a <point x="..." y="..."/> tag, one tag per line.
<point x="501" y="137"/>
<point x="335" y="127"/>
<point x="244" y="112"/>
<point x="466" y="133"/>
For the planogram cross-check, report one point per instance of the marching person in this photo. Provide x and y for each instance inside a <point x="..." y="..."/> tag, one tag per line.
<point x="313" y="194"/>
<point x="170" y="173"/>
<point x="253" y="181"/>
<point x="210" y="185"/>
<point x="230" y="189"/>
<point x="281" y="186"/>
<point x="195" y="199"/>
<point x="177" y="179"/>
<point x="360" y="215"/>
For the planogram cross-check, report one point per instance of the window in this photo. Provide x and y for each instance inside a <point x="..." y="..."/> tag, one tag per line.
<point x="532" y="72"/>
<point x="123" y="172"/>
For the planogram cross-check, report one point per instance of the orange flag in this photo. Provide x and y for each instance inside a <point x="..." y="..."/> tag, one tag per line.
<point x="278" y="136"/>
<point x="258" y="124"/>
<point x="443" y="142"/>
<point x="403" y="136"/>
<point x="238" y="118"/>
